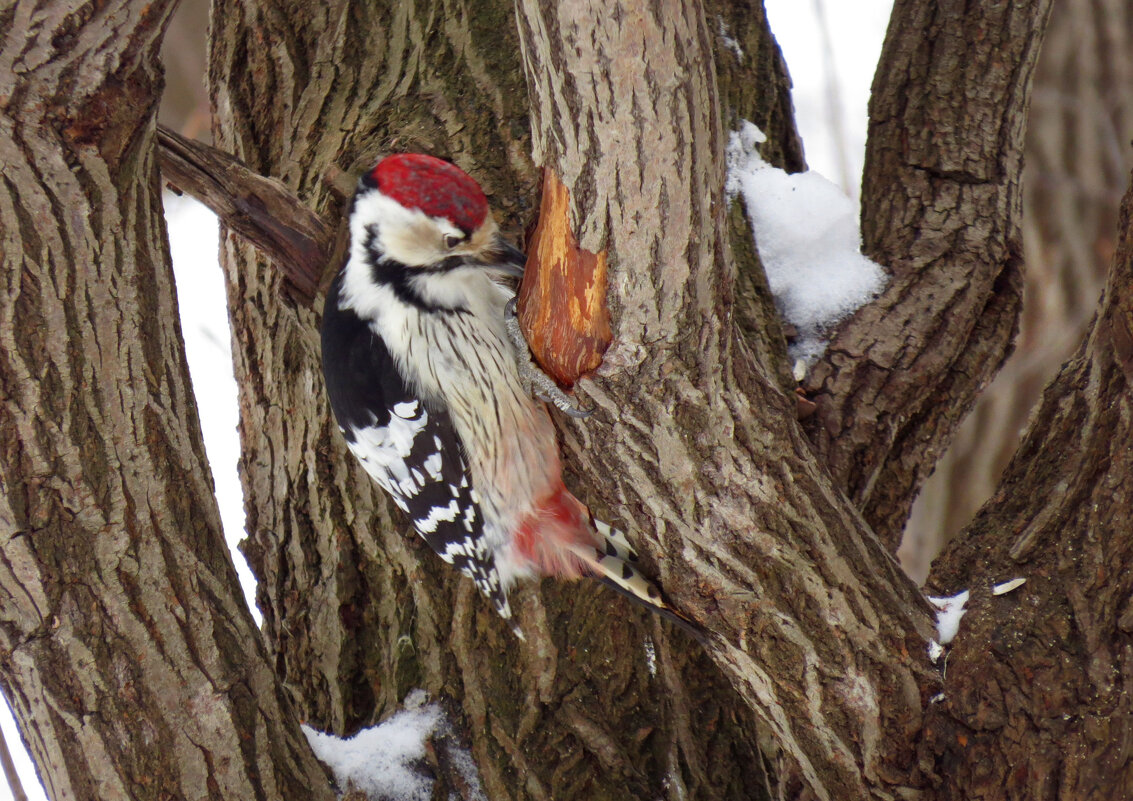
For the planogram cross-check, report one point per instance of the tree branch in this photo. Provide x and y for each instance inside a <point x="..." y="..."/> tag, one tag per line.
<point x="940" y="208"/>
<point x="262" y="210"/>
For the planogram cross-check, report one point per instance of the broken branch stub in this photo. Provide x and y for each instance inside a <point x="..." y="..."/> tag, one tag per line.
<point x="260" y="209"/>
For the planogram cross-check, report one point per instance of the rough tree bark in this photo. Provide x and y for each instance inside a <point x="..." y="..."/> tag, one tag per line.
<point x="940" y="209"/>
<point x="716" y="491"/>
<point x="817" y="649"/>
<point x="126" y="648"/>
<point x="1077" y="166"/>
<point x="868" y="646"/>
<point x="1037" y="697"/>
<point x="358" y="612"/>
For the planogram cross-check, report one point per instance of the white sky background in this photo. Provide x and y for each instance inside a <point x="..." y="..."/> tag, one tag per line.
<point x="194" y="243"/>
<point x="832" y="60"/>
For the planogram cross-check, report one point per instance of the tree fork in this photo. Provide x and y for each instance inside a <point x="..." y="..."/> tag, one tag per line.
<point x="941" y="210"/>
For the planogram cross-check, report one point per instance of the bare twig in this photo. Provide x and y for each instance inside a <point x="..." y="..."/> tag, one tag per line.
<point x="14" y="785"/>
<point x="260" y="209"/>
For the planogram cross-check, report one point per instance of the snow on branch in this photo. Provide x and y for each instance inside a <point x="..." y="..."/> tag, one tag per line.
<point x="806" y="230"/>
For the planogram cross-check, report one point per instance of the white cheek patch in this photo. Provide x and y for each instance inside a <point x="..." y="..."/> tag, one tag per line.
<point x="414" y="245"/>
<point x="407" y="236"/>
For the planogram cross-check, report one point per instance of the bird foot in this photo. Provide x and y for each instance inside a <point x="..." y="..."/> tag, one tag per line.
<point x="537" y="383"/>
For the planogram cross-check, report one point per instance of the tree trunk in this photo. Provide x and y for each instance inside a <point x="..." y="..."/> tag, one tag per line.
<point x="130" y="658"/>
<point x="1037" y="696"/>
<point x="727" y="548"/>
<point x="357" y="609"/>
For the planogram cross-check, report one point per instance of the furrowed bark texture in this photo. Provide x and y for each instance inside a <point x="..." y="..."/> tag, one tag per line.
<point x="601" y="701"/>
<point x="940" y="209"/>
<point x="692" y="445"/>
<point x="753" y="85"/>
<point x="126" y="648"/>
<point x="1037" y="697"/>
<point x="1075" y="174"/>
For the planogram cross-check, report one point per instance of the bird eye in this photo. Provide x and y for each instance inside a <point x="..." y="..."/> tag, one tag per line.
<point x="452" y="240"/>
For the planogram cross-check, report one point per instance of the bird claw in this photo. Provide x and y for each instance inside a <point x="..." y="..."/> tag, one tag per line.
<point x="567" y="404"/>
<point x="537" y="383"/>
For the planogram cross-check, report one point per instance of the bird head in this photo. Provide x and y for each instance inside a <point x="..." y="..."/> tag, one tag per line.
<point x="428" y="215"/>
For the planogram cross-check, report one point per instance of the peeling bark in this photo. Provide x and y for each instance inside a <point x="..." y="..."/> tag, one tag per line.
<point x="562" y="300"/>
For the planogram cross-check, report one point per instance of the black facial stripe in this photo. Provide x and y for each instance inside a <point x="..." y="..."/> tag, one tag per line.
<point x="366" y="183"/>
<point x="387" y="272"/>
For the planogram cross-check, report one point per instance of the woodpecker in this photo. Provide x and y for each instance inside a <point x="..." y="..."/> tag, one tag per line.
<point x="432" y="387"/>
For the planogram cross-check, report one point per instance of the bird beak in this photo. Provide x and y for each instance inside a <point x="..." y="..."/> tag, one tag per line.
<point x="507" y="259"/>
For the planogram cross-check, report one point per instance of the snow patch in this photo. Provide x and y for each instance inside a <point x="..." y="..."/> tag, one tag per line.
<point x="950" y="610"/>
<point x="385" y="761"/>
<point x="935" y="651"/>
<point x="727" y="40"/>
<point x="650" y="658"/>
<point x="1008" y="586"/>
<point x="807" y="233"/>
<point x="466" y="767"/>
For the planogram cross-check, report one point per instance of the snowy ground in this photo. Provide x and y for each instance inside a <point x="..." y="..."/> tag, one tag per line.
<point x="831" y="65"/>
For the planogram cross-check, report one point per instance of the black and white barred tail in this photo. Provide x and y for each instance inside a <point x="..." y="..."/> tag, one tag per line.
<point x="613" y="564"/>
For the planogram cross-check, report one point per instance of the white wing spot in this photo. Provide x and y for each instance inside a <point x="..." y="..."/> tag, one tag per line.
<point x="405" y="409"/>
<point x="427" y="525"/>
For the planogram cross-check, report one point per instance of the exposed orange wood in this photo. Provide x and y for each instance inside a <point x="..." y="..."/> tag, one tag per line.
<point x="562" y="300"/>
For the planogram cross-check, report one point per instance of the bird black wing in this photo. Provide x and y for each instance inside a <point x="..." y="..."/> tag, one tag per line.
<point x="410" y="450"/>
